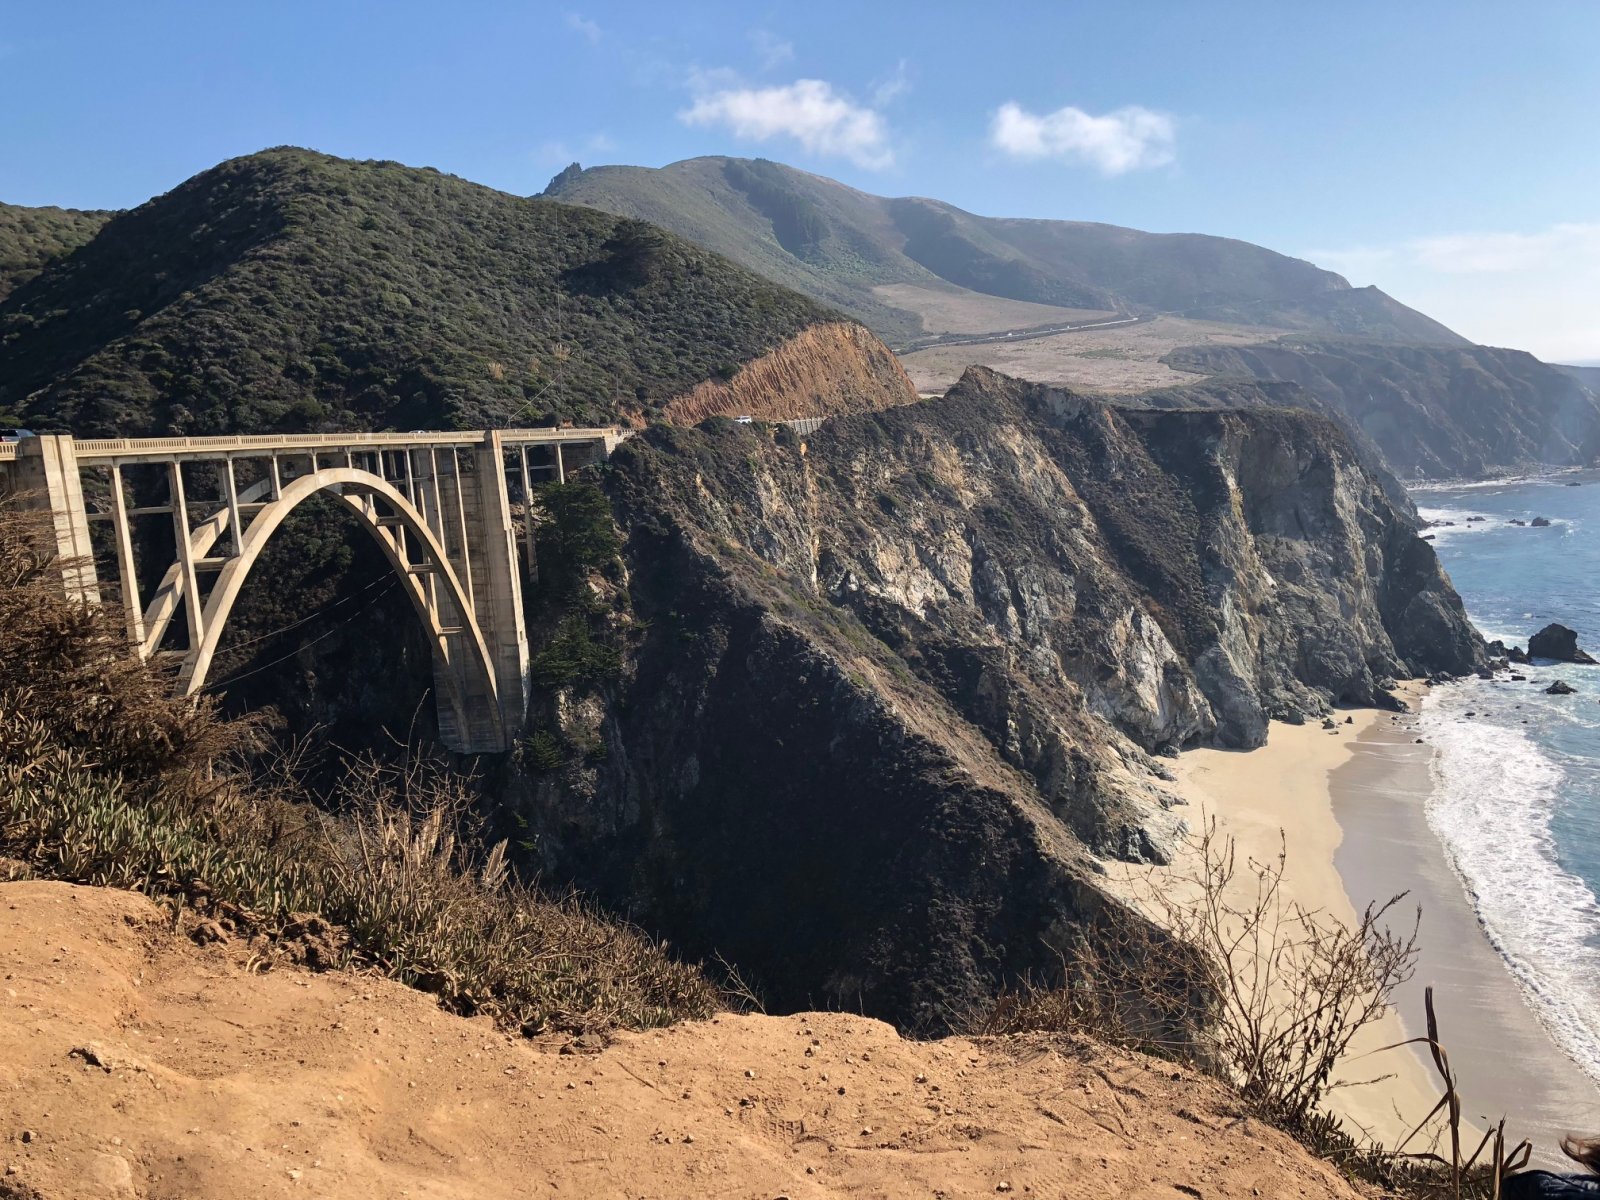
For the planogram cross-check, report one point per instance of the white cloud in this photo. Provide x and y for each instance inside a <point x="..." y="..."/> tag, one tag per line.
<point x="1529" y="290"/>
<point x="892" y="88"/>
<point x="554" y="154"/>
<point x="772" y="50"/>
<point x="558" y="153"/>
<point x="1121" y="141"/>
<point x="584" y="27"/>
<point x="807" y="110"/>
<point x="1490" y="253"/>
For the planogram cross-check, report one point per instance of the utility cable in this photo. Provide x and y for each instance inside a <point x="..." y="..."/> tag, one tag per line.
<point x="211" y="687"/>
<point x="321" y="612"/>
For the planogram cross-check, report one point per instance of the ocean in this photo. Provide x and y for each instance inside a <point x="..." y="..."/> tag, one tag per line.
<point x="1516" y="772"/>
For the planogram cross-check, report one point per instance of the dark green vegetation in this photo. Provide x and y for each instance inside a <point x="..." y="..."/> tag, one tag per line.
<point x="291" y="291"/>
<point x="836" y="244"/>
<point x="105" y="779"/>
<point x="33" y="238"/>
<point x="1433" y="411"/>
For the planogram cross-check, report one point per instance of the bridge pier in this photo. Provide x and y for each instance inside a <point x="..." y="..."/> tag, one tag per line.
<point x="493" y="541"/>
<point x="47" y="472"/>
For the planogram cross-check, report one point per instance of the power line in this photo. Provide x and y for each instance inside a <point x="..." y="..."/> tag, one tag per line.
<point x="321" y="612"/>
<point x="285" y="657"/>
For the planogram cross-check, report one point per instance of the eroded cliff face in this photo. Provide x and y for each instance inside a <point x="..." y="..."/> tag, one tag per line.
<point x="826" y="369"/>
<point x="888" y="689"/>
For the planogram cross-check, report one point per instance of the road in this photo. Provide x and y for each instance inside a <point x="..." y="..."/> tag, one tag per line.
<point x="1017" y="335"/>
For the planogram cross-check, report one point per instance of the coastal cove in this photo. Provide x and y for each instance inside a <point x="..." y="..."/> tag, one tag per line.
<point x="1505" y="1059"/>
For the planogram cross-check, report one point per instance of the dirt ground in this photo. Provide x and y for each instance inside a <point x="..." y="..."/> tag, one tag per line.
<point x="136" y="1063"/>
<point x="1090" y="360"/>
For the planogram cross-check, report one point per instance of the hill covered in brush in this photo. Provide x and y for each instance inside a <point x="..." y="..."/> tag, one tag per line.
<point x="911" y="267"/>
<point x="289" y="290"/>
<point x="32" y="238"/>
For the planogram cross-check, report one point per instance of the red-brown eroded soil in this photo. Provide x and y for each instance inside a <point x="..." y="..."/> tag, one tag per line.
<point x="135" y="1063"/>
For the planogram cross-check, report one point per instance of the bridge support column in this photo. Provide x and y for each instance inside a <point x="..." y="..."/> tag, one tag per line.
<point x="47" y="471"/>
<point x="497" y="591"/>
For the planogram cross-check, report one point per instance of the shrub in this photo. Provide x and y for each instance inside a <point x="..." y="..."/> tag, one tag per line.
<point x="573" y="656"/>
<point x="1275" y="991"/>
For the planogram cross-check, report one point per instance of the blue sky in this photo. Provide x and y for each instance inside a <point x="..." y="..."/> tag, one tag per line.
<point x="1446" y="152"/>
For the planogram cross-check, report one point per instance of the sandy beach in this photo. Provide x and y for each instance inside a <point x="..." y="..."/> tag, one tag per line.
<point x="1351" y="804"/>
<point x="1506" y="1063"/>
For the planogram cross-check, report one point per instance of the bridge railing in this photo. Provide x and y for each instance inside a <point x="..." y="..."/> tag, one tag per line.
<point x="202" y="447"/>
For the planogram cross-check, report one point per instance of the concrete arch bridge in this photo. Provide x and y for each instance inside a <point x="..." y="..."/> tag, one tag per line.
<point x="438" y="505"/>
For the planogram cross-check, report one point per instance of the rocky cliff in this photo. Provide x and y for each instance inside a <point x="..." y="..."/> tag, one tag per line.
<point x="1434" y="411"/>
<point x="827" y="369"/>
<point x="883" y="690"/>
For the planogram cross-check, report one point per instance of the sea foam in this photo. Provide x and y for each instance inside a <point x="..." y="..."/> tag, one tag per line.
<point x="1493" y="796"/>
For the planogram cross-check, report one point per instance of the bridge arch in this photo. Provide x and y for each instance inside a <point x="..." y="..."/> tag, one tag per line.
<point x="460" y="645"/>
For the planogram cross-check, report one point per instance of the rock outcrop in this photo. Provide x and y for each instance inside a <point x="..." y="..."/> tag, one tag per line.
<point x="1559" y="643"/>
<point x="888" y="686"/>
<point x="831" y="368"/>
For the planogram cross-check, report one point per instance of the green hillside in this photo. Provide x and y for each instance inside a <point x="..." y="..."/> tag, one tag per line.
<point x="289" y="290"/>
<point x="32" y="238"/>
<point x="838" y="245"/>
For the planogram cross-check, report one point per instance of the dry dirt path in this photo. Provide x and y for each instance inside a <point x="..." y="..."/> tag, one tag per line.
<point x="135" y="1063"/>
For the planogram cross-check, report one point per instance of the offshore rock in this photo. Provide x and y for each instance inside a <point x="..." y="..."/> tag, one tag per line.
<point x="1559" y="643"/>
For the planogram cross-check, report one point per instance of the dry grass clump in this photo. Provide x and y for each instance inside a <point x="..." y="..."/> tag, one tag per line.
<point x="1295" y="985"/>
<point x="1122" y="980"/>
<point x="105" y="779"/>
<point x="1240" y="979"/>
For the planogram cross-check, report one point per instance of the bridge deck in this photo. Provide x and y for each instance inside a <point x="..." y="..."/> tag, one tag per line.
<point x="167" y="449"/>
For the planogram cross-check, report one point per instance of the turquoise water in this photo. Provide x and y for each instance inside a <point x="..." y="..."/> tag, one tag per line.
<point x="1516" y="796"/>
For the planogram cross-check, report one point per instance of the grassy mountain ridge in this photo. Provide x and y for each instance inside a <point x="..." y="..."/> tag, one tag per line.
<point x="838" y="244"/>
<point x="32" y="238"/>
<point x="291" y="290"/>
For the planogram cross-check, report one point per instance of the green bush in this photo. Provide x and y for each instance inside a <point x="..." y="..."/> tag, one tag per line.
<point x="573" y="656"/>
